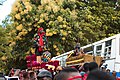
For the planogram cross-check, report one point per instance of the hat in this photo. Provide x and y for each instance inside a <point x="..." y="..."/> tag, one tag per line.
<point x="44" y="73"/>
<point x="40" y="29"/>
<point x="77" y="45"/>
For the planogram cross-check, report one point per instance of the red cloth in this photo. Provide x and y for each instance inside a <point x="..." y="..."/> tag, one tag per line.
<point x="118" y="78"/>
<point x="31" y="57"/>
<point x="39" y="29"/>
<point x="85" y="76"/>
<point x="33" y="64"/>
<point x="40" y="42"/>
<point x="75" y="77"/>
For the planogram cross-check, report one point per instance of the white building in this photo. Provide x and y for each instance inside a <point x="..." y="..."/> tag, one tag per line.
<point x="109" y="48"/>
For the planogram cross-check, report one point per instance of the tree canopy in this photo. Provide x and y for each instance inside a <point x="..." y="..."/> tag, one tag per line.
<point x="64" y="21"/>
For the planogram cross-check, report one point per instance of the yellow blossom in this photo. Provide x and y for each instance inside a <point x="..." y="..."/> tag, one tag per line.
<point x="25" y="11"/>
<point x="48" y="8"/>
<point x="35" y="25"/>
<point x="50" y="22"/>
<point x="28" y="7"/>
<point x="23" y="19"/>
<point x="15" y="9"/>
<point x="52" y="16"/>
<point x="47" y="30"/>
<point x="13" y="31"/>
<point x="17" y="16"/>
<point x="27" y="52"/>
<point x="24" y="33"/>
<point x="36" y="19"/>
<point x="44" y="1"/>
<point x="56" y="9"/>
<point x="64" y="33"/>
<point x="19" y="27"/>
<point x="59" y="18"/>
<point x="59" y="2"/>
<point x="47" y="34"/>
<point x="20" y="9"/>
<point x="22" y="12"/>
<point x="20" y="34"/>
<point x="29" y="24"/>
<point x="72" y="0"/>
<point x="26" y="3"/>
<point x="18" y="38"/>
<point x="29" y="29"/>
<point x="46" y="18"/>
<point x="69" y="31"/>
<point x="52" y="5"/>
<point x="3" y="58"/>
<point x="62" y="10"/>
<point x="40" y="7"/>
<point x="61" y="26"/>
<point x="38" y="26"/>
<point x="56" y="49"/>
<point x="114" y="17"/>
<point x="58" y="53"/>
<point x="61" y="31"/>
<point x="28" y="16"/>
<point x="63" y="38"/>
<point x="50" y="34"/>
<point x="41" y="21"/>
<point x="32" y="50"/>
<point x="42" y="15"/>
<point x="89" y="16"/>
<point x="24" y="30"/>
<point x="64" y="26"/>
<point x="54" y="32"/>
<point x="54" y="46"/>
<point x="12" y="44"/>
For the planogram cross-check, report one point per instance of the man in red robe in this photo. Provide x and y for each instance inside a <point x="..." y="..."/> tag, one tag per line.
<point x="40" y="41"/>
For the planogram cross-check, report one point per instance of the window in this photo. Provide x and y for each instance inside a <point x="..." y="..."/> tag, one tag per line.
<point x="107" y="53"/>
<point x="89" y="50"/>
<point x="98" y="50"/>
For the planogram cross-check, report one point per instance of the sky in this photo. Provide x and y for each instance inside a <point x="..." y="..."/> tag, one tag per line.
<point x="5" y="9"/>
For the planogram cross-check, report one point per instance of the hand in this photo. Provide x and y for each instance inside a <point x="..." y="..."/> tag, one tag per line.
<point x="17" y="72"/>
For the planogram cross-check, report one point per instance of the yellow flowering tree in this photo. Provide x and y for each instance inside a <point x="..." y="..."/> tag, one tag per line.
<point x="64" y="21"/>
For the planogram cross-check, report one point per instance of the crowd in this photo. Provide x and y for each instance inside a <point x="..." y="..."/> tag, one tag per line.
<point x="88" y="71"/>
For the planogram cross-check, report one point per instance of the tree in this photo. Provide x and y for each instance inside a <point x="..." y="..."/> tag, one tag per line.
<point x="5" y="49"/>
<point x="65" y="22"/>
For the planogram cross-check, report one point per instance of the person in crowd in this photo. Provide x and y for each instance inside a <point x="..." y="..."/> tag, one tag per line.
<point x="84" y="70"/>
<point x="68" y="73"/>
<point x="44" y="75"/>
<point x="93" y="66"/>
<point x="32" y="75"/>
<point x="103" y="69"/>
<point x="99" y="75"/>
<point x="114" y="75"/>
<point x="25" y="75"/>
<point x="108" y="71"/>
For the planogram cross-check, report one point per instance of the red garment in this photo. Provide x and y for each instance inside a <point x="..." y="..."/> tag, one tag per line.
<point x="85" y="76"/>
<point x="75" y="77"/>
<point x="40" y="41"/>
<point x="79" y="77"/>
<point x="118" y="78"/>
<point x="41" y="44"/>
